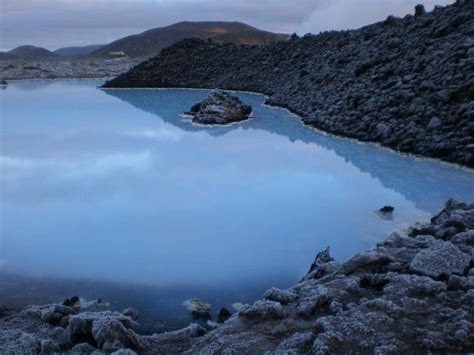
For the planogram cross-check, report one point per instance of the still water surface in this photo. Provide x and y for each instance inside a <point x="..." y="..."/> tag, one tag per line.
<point x="112" y="194"/>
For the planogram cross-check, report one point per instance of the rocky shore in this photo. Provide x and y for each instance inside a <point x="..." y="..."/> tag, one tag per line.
<point x="65" y="68"/>
<point x="411" y="293"/>
<point x="219" y="108"/>
<point x="404" y="83"/>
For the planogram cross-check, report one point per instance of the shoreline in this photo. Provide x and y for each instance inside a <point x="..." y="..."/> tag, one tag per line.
<point x="366" y="303"/>
<point x="315" y="129"/>
<point x="415" y="156"/>
<point x="382" y="83"/>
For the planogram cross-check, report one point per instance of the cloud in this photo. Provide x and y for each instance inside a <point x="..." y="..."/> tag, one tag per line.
<point x="162" y="134"/>
<point x="13" y="169"/>
<point x="42" y="181"/>
<point x="58" y="23"/>
<point x="351" y="14"/>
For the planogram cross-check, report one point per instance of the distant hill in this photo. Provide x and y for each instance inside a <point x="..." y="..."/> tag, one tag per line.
<point x="31" y="52"/>
<point x="78" y="51"/>
<point x="8" y="56"/>
<point x="150" y="42"/>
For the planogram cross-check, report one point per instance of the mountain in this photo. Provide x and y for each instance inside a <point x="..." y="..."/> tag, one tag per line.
<point x="407" y="84"/>
<point x="8" y="56"/>
<point x="78" y="51"/>
<point x="150" y="42"/>
<point x="32" y="52"/>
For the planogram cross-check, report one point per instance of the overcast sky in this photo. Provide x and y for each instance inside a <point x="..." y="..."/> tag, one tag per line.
<point x="58" y="23"/>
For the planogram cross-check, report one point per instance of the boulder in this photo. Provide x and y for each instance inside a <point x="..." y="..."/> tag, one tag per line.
<point x="111" y="335"/>
<point x="132" y="313"/>
<point x="263" y="310"/>
<point x="281" y="296"/>
<point x="317" y="298"/>
<point x="88" y="327"/>
<point x="219" y="108"/>
<point x="371" y="260"/>
<point x="71" y="302"/>
<point x="223" y="315"/>
<point x="323" y="265"/>
<point x="191" y="331"/>
<point x="441" y="258"/>
<point x="387" y="209"/>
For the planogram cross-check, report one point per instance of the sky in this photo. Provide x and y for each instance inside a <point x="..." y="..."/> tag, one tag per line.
<point x="58" y="23"/>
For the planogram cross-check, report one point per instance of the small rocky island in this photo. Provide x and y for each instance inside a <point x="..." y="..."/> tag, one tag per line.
<point x="219" y="108"/>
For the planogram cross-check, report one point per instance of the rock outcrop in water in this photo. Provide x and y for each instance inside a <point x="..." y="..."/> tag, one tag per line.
<point x="405" y="83"/>
<point x="411" y="293"/>
<point x="219" y="108"/>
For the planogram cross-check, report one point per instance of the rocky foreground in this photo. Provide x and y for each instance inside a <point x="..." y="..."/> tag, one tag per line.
<point x="65" y="68"/>
<point x="405" y="83"/>
<point x="219" y="108"/>
<point x="411" y="293"/>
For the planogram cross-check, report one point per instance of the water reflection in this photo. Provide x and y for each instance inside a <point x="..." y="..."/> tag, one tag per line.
<point x="427" y="183"/>
<point x="100" y="191"/>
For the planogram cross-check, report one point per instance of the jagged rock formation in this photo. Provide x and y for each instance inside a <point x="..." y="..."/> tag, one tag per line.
<point x="410" y="294"/>
<point x="219" y="108"/>
<point x="406" y="83"/>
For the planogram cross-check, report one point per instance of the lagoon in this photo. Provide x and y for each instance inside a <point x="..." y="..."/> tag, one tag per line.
<point x="112" y="194"/>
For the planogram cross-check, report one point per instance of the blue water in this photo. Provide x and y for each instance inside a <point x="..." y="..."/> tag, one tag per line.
<point x="112" y="194"/>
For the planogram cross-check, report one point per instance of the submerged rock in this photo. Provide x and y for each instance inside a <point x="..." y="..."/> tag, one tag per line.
<point x="200" y="310"/>
<point x="72" y="302"/>
<point x="219" y="108"/>
<point x="387" y="209"/>
<point x="195" y="304"/>
<point x="223" y="315"/>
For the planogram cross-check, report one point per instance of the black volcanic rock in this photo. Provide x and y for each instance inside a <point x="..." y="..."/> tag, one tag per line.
<point x="387" y="209"/>
<point x="150" y="42"/>
<point x="383" y="83"/>
<point x="219" y="108"/>
<point x="223" y="315"/>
